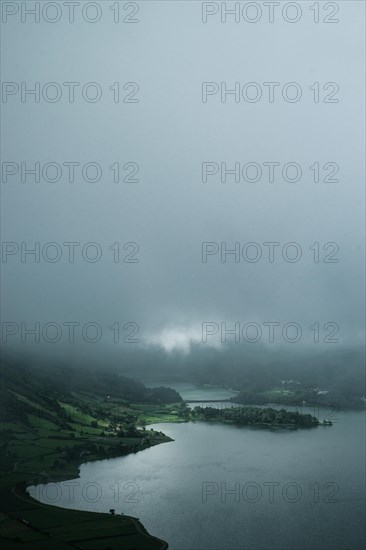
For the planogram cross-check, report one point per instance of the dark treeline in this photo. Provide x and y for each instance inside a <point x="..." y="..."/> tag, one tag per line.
<point x="256" y="416"/>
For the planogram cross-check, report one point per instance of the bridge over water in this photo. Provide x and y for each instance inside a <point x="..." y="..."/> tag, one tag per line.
<point x="206" y="401"/>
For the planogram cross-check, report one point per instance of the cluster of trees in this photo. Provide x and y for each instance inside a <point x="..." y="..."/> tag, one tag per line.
<point x="255" y="416"/>
<point x="183" y="411"/>
<point x="129" y="430"/>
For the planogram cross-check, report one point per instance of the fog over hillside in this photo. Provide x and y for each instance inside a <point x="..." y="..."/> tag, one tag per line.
<point x="161" y="276"/>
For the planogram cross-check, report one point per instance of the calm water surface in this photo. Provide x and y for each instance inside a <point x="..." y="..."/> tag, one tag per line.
<point x="220" y="487"/>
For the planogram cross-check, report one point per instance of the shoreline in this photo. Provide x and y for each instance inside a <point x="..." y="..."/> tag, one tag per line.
<point x="23" y="495"/>
<point x="20" y="493"/>
<point x="120" y="522"/>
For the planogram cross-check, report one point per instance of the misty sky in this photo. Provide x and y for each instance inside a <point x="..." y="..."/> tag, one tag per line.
<point x="169" y="133"/>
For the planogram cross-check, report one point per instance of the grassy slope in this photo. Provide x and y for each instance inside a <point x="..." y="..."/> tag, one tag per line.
<point x="43" y="440"/>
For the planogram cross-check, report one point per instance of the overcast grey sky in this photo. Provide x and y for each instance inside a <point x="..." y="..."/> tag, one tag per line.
<point x="170" y="211"/>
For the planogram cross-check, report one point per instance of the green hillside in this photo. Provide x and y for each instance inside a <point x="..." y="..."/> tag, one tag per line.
<point x="52" y="422"/>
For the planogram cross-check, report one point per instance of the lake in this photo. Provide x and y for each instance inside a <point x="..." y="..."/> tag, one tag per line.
<point x="188" y="390"/>
<point x="222" y="487"/>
